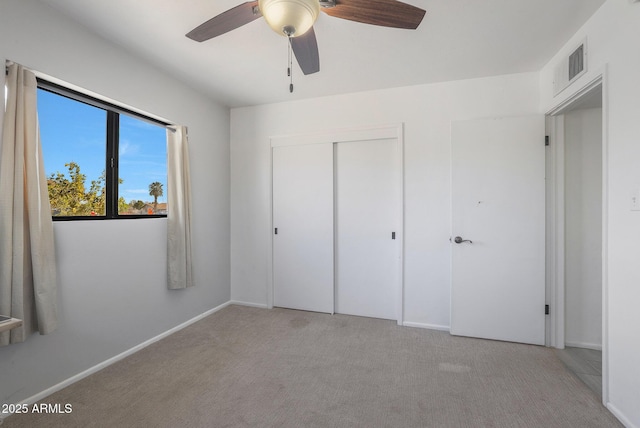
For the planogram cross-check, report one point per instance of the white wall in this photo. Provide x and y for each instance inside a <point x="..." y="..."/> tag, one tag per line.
<point x="613" y="36"/>
<point x="112" y="286"/>
<point x="427" y="112"/>
<point x="583" y="223"/>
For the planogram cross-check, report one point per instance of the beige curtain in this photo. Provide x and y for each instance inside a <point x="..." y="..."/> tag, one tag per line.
<point x="179" y="205"/>
<point x="28" y="288"/>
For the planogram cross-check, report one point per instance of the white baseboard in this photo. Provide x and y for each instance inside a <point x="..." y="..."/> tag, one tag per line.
<point x="623" y="419"/>
<point x="594" y="346"/>
<point x="73" y="379"/>
<point x="253" y="305"/>
<point x="427" y="326"/>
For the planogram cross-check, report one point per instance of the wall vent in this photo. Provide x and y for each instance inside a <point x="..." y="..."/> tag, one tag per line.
<point x="570" y="68"/>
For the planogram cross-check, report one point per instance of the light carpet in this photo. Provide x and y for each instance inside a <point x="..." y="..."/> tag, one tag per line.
<point x="250" y="367"/>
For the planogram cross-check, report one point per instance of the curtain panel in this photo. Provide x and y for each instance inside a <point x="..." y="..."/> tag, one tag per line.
<point x="28" y="288"/>
<point x="179" y="268"/>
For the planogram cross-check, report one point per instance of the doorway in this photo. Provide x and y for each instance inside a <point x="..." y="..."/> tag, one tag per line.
<point x="576" y="233"/>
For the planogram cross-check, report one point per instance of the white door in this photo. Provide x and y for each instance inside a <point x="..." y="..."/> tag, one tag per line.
<point x="498" y="204"/>
<point x="303" y="227"/>
<point x="367" y="234"/>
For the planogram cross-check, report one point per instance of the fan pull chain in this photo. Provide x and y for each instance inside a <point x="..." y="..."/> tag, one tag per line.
<point x="290" y="64"/>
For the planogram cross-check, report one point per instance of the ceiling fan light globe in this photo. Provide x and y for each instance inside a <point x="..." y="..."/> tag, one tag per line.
<point x="290" y="18"/>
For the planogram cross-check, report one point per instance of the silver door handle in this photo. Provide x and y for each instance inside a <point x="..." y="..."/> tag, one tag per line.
<point x="459" y="240"/>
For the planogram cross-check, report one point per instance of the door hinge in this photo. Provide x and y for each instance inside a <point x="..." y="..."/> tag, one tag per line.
<point x="276" y="231"/>
<point x="546" y="309"/>
<point x="546" y="140"/>
<point x="393" y="235"/>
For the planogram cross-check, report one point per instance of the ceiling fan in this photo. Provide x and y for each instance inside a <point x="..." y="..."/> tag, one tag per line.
<point x="295" y="18"/>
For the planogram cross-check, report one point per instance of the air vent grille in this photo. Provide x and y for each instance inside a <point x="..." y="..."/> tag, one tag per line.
<point x="570" y="68"/>
<point x="576" y="62"/>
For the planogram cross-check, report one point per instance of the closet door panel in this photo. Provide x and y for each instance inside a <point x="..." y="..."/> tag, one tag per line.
<point x="367" y="218"/>
<point x="303" y="258"/>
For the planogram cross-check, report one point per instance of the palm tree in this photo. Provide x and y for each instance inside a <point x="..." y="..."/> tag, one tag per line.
<point x="155" y="190"/>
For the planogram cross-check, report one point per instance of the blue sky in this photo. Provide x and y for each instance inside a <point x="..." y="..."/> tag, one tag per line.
<point x="71" y="131"/>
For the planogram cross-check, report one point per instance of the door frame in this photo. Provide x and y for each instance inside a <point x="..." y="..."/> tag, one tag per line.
<point x="556" y="247"/>
<point x="336" y="136"/>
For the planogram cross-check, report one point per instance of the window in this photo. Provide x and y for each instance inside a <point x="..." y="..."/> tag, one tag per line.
<point x="101" y="161"/>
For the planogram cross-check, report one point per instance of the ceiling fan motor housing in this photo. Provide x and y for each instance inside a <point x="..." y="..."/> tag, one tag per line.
<point x="290" y="18"/>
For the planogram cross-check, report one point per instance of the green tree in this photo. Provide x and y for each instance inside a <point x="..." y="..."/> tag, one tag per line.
<point x="68" y="196"/>
<point x="96" y="196"/>
<point x="123" y="207"/>
<point x="155" y="190"/>
<point x="136" y="205"/>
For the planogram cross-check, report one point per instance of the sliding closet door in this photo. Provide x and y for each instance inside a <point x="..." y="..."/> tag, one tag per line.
<point x="368" y="196"/>
<point x="303" y="227"/>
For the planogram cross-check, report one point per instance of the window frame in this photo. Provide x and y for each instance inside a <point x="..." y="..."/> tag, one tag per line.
<point x="111" y="150"/>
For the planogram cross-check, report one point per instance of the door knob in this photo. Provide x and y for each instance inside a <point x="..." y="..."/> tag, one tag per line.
<point x="459" y="240"/>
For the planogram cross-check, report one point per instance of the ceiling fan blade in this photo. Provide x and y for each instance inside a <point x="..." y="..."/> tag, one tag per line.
<point x="305" y="48"/>
<point x="387" y="13"/>
<point x="226" y="21"/>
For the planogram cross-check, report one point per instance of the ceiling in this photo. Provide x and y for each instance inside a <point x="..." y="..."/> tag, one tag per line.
<point x="458" y="39"/>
